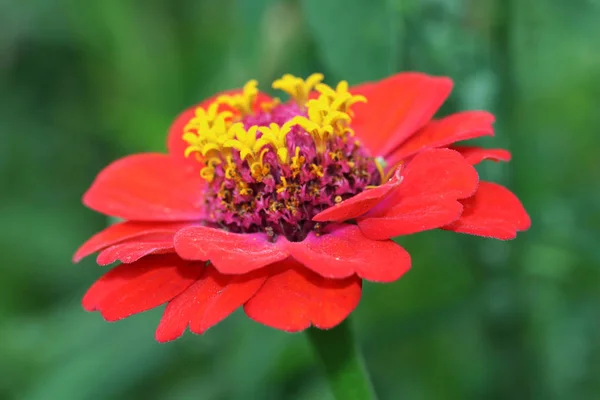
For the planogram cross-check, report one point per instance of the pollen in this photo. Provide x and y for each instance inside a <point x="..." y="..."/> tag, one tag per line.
<point x="297" y="162"/>
<point x="272" y="166"/>
<point x="317" y="170"/>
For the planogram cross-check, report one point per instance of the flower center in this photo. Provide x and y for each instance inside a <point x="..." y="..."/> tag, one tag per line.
<point x="273" y="170"/>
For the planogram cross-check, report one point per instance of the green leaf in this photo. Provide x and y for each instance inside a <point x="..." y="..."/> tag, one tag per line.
<point x="359" y="39"/>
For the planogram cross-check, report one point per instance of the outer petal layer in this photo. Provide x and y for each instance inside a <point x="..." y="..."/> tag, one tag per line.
<point x="147" y="187"/>
<point x="124" y="231"/>
<point x="175" y="143"/>
<point x="475" y="155"/>
<point x="344" y="251"/>
<point x="133" y="288"/>
<point x="441" y="133"/>
<point x="396" y="108"/>
<point x="294" y="298"/>
<point x="494" y="211"/>
<point x="230" y="253"/>
<point x="207" y="302"/>
<point x="359" y="204"/>
<point x="427" y="198"/>
<point x="132" y="250"/>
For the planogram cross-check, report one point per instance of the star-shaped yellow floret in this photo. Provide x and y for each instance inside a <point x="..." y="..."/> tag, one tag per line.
<point x="275" y="135"/>
<point x="242" y="102"/>
<point x="339" y="99"/>
<point x="298" y="88"/>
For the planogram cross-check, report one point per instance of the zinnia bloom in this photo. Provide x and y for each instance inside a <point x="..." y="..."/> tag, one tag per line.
<point x="283" y="208"/>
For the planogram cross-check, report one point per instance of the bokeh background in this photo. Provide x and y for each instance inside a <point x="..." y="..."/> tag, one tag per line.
<point x="83" y="83"/>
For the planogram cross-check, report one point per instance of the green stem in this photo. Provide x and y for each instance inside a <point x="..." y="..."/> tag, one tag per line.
<point x="342" y="361"/>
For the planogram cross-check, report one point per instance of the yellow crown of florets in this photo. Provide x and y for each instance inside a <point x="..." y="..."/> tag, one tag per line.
<point x="213" y="132"/>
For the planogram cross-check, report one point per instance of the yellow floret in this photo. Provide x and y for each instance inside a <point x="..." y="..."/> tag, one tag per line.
<point x="212" y="134"/>
<point x="298" y="88"/>
<point x="275" y="136"/>
<point x="244" y="101"/>
<point x="339" y="99"/>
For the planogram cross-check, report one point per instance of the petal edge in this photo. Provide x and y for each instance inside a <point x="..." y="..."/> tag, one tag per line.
<point x="147" y="187"/>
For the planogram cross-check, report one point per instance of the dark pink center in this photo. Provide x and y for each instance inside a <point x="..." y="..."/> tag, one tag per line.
<point x="290" y="195"/>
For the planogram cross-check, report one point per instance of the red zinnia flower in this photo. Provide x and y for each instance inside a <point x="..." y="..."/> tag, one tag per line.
<point x="284" y="208"/>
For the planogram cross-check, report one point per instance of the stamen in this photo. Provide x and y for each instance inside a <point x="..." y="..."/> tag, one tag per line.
<point x="283" y="186"/>
<point x="297" y="162"/>
<point x="317" y="170"/>
<point x="208" y="172"/>
<point x="230" y="170"/>
<point x="245" y="190"/>
<point x="259" y="169"/>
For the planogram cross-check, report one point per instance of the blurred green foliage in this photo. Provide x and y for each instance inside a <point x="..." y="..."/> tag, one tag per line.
<point x="83" y="83"/>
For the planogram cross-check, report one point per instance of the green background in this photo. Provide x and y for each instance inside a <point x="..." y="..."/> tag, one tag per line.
<point x="83" y="83"/>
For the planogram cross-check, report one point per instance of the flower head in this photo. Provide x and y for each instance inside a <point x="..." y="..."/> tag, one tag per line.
<point x="284" y="208"/>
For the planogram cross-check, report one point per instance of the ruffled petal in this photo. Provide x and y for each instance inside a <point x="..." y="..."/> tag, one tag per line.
<point x="396" y="108"/>
<point x="207" y="302"/>
<point x="343" y="251"/>
<point x="359" y="204"/>
<point x="124" y="231"/>
<point x="132" y="250"/>
<point x="427" y="197"/>
<point x="175" y="143"/>
<point x="441" y="133"/>
<point x="294" y="298"/>
<point x="147" y="187"/>
<point x="475" y="155"/>
<point x="133" y="288"/>
<point x="230" y="253"/>
<point x="494" y="211"/>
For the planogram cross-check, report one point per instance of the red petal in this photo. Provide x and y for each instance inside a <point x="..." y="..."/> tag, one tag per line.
<point x="359" y="204"/>
<point x="396" y="108"/>
<point x="123" y="231"/>
<point x="475" y="155"/>
<point x="426" y="198"/>
<point x="230" y="253"/>
<point x="133" y="288"/>
<point x="207" y="302"/>
<point x="344" y="251"/>
<point x="494" y="211"/>
<point x="406" y="219"/>
<point x="132" y="250"/>
<point x="443" y="132"/>
<point x="147" y="187"/>
<point x="294" y="298"/>
<point x="175" y="143"/>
